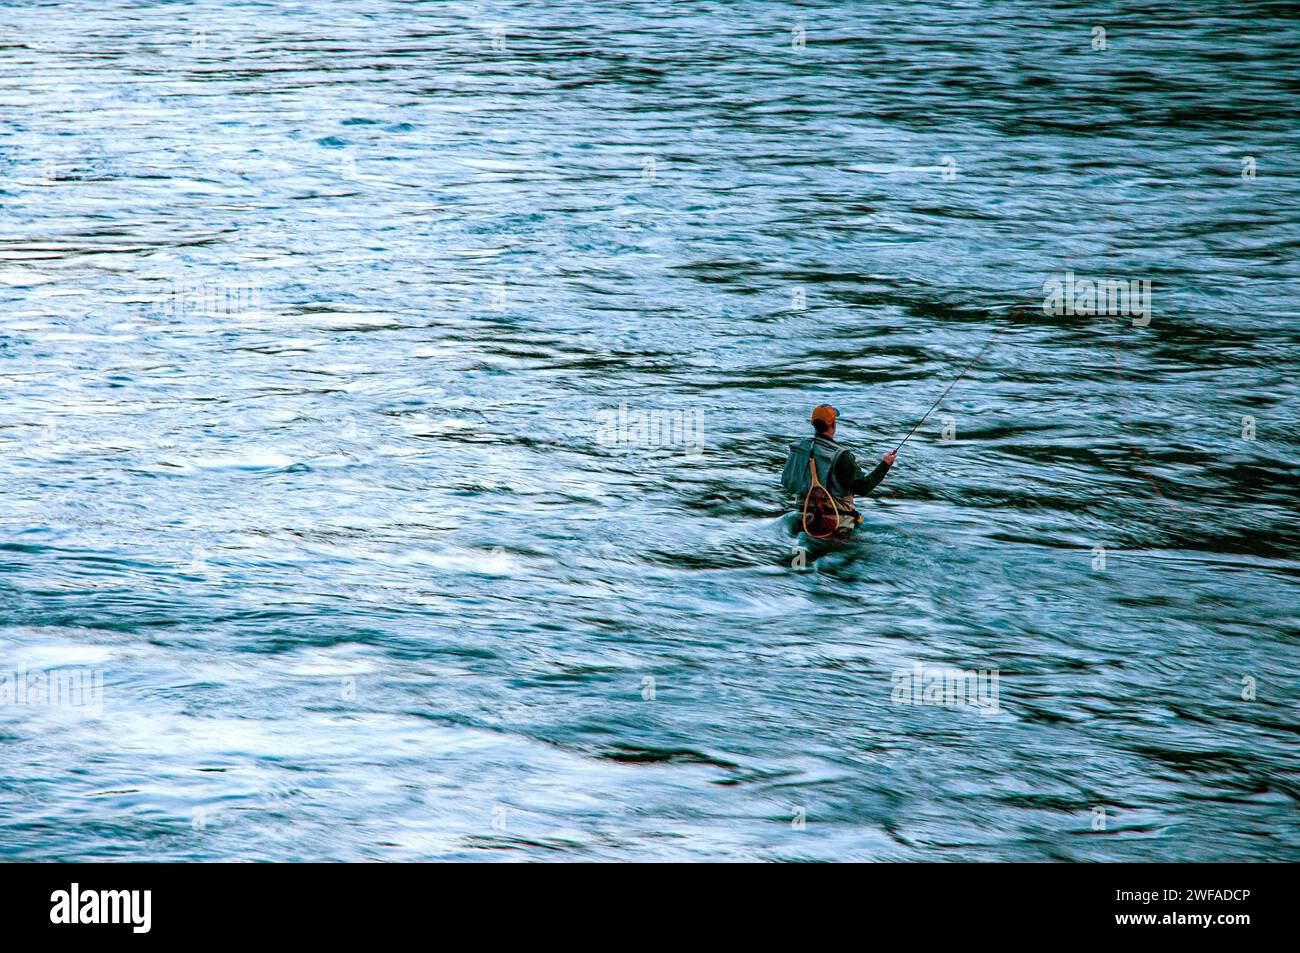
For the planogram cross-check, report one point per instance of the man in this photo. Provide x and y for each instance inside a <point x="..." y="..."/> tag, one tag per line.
<point x="837" y="471"/>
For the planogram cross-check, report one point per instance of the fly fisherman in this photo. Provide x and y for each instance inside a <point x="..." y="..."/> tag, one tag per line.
<point x="827" y="492"/>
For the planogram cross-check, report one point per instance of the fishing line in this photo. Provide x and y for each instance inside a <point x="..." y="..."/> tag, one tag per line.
<point x="971" y="364"/>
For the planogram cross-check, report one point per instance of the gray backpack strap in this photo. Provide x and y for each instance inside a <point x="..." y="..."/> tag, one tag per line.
<point x="830" y="470"/>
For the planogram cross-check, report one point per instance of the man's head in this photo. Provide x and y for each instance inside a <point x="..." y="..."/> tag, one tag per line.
<point x="824" y="417"/>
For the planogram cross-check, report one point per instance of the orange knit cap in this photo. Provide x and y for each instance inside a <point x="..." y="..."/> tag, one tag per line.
<point x="826" y="414"/>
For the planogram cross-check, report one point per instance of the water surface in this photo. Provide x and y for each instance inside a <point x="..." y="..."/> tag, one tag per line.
<point x="311" y="316"/>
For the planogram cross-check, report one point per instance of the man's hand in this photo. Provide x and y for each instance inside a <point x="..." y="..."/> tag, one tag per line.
<point x="890" y="457"/>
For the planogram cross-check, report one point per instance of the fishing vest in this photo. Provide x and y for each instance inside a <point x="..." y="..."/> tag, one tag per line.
<point x="797" y="478"/>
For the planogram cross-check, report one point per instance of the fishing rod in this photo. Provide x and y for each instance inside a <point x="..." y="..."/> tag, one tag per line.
<point x="969" y="365"/>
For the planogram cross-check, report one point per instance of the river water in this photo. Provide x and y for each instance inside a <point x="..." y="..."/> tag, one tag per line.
<point x="395" y="395"/>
